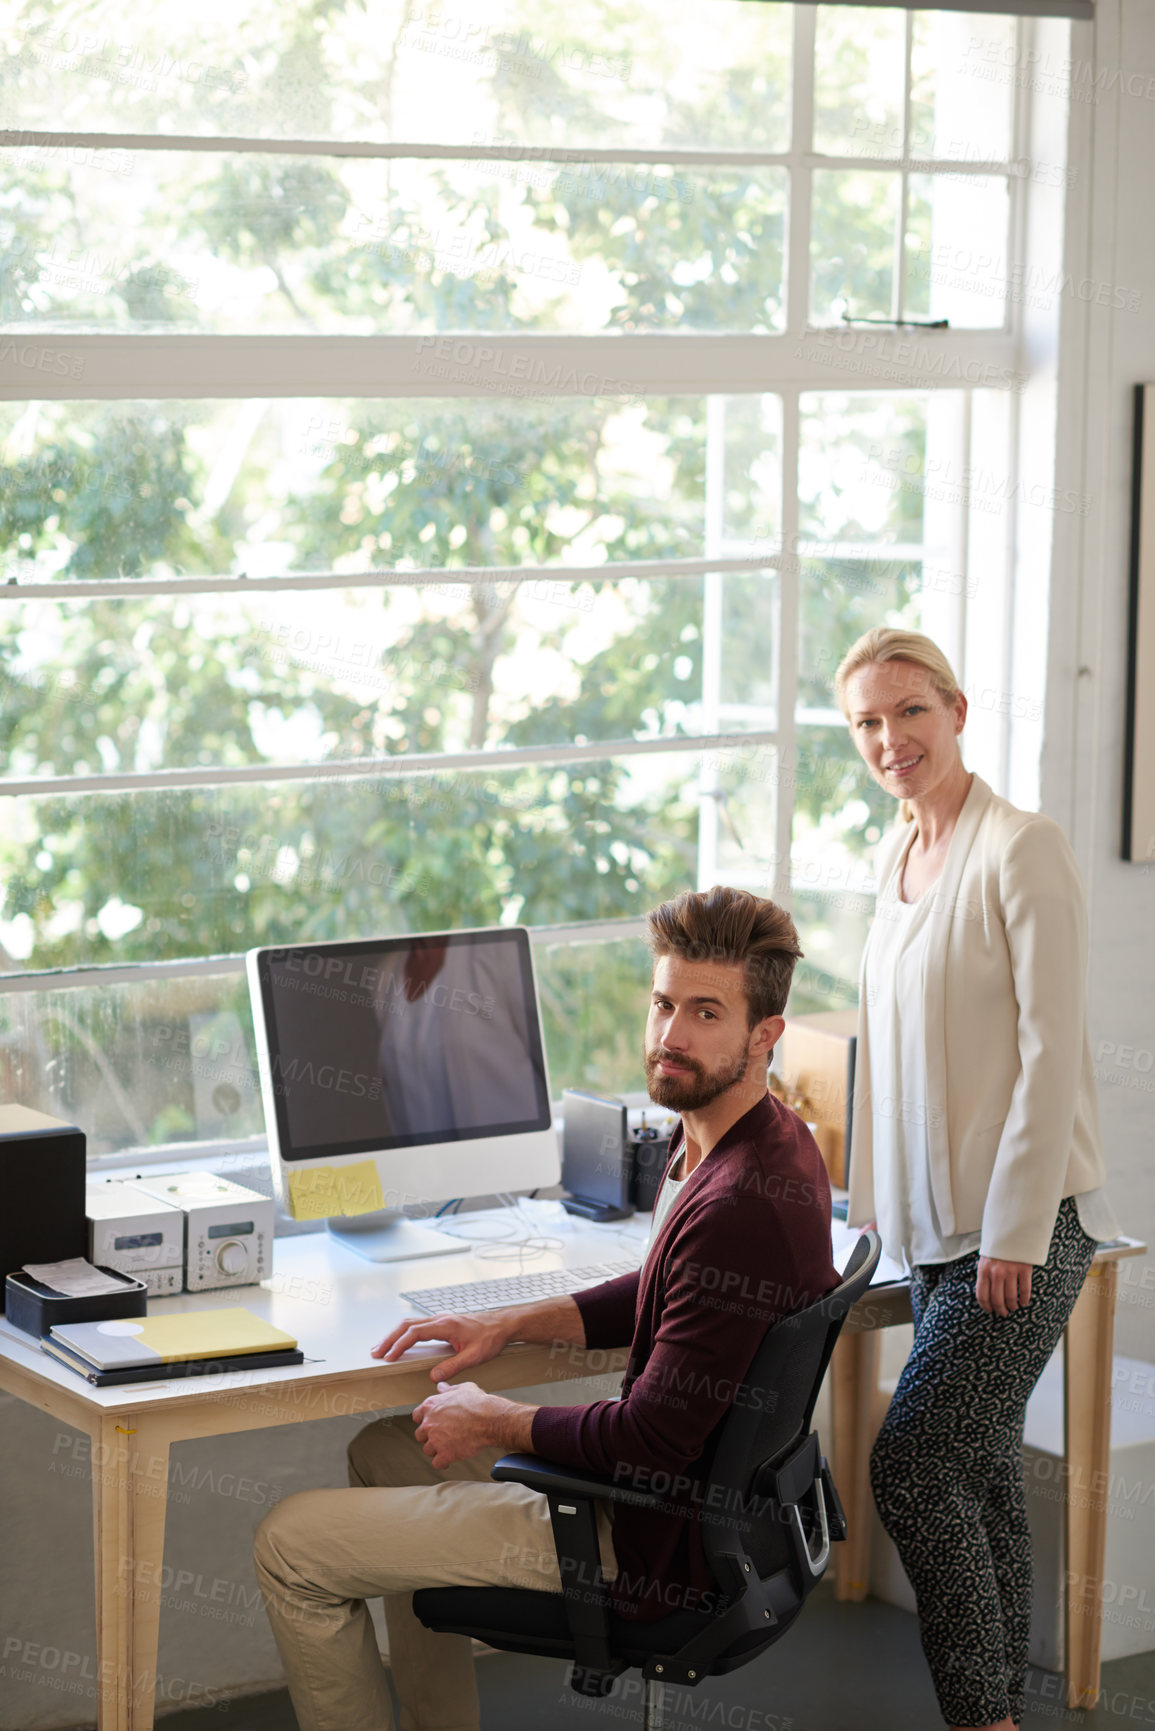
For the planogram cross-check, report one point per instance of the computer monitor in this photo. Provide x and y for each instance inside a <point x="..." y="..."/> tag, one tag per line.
<point x="401" y="1070"/>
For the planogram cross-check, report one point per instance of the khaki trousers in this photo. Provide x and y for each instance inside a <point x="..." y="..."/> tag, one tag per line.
<point x="404" y="1525"/>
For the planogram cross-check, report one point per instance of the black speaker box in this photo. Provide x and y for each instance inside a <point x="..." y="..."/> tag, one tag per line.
<point x="42" y="1168"/>
<point x="595" y="1166"/>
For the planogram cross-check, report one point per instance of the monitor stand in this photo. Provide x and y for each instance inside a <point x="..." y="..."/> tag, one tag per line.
<point x="387" y="1235"/>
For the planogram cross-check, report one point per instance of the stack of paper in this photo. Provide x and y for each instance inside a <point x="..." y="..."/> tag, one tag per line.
<point x="76" y="1278"/>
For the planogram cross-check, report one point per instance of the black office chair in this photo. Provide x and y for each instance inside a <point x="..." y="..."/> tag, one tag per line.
<point x="774" y="1512"/>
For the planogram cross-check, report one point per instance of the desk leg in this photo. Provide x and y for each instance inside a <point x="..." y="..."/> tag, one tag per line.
<point x="853" y="1388"/>
<point x="1088" y="1352"/>
<point x="129" y="1488"/>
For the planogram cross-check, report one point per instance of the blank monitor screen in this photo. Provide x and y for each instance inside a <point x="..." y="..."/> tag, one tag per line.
<point x="402" y="1041"/>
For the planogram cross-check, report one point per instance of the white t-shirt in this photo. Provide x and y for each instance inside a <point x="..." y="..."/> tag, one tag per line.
<point x="668" y="1194"/>
<point x="894" y="981"/>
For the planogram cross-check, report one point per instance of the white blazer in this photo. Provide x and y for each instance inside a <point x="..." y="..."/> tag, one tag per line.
<point x="1008" y="1055"/>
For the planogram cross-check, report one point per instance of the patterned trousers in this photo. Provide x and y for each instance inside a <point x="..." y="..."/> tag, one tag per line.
<point x="947" y="1471"/>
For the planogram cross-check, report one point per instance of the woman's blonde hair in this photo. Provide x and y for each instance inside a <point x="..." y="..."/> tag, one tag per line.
<point x="884" y="643"/>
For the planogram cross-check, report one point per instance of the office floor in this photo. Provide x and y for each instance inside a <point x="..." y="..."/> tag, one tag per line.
<point x="843" y="1668"/>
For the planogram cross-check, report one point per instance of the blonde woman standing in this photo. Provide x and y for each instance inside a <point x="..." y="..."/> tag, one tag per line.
<point x="976" y="1147"/>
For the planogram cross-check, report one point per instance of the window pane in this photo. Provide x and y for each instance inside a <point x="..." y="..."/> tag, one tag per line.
<point x="743" y="520"/>
<point x="894" y="503"/>
<point x="956" y="249"/>
<point x="128" y="687"/>
<point x="862" y="467"/>
<point x="128" y="489"/>
<point x="594" y="999"/>
<point x="121" y="686"/>
<point x="839" y="599"/>
<point x="747" y="801"/>
<point x="839" y="814"/>
<point x="317" y="679"/>
<point x="196" y="872"/>
<point x="749" y="511"/>
<point x="738" y="830"/>
<point x="229" y="243"/>
<point x="962" y="85"/>
<point x="138" y="1064"/>
<point x="859" y="60"/>
<point x="853" y="218"/>
<point x="833" y="928"/>
<point x="606" y="72"/>
<point x="749" y="669"/>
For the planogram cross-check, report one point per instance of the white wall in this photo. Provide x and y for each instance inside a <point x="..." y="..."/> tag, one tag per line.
<point x="1104" y="352"/>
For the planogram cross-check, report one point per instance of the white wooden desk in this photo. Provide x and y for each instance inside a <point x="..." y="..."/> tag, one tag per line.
<point x="338" y="1306"/>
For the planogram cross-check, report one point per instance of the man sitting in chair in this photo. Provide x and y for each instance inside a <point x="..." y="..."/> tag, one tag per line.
<point x="740" y="1237"/>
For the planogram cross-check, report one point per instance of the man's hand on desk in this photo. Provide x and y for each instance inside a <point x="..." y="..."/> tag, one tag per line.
<point x="455" y="1423"/>
<point x="477" y="1339"/>
<point x="474" y="1339"/>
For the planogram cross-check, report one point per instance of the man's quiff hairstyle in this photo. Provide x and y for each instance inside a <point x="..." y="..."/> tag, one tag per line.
<point x="725" y="925"/>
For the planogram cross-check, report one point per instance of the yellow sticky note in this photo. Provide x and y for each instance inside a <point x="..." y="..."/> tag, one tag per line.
<point x="321" y="1191"/>
<point x="312" y="1195"/>
<point x="358" y="1188"/>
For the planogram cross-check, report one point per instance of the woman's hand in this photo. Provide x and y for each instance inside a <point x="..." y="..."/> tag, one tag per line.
<point x="1003" y="1286"/>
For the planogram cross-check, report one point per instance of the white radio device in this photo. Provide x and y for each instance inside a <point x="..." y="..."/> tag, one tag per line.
<point x="136" y="1234"/>
<point x="228" y="1229"/>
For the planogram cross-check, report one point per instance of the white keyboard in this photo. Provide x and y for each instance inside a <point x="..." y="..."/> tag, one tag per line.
<point x="515" y="1288"/>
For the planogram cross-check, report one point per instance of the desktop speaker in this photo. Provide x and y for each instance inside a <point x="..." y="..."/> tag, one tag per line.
<point x="595" y="1165"/>
<point x="42" y="1172"/>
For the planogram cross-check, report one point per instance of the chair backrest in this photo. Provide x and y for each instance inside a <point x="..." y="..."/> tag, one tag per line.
<point x="771" y="1414"/>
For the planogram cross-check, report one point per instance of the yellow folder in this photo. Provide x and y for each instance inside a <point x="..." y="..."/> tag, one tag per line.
<point x="172" y="1338"/>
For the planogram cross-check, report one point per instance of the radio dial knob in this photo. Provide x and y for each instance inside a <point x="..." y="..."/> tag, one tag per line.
<point x="231" y="1258"/>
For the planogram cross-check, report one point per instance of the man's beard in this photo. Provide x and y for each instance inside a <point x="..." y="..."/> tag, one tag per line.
<point x="697" y="1089"/>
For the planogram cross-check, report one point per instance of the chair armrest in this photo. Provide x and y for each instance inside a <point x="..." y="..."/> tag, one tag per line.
<point x="572" y="1494"/>
<point x="538" y="1474"/>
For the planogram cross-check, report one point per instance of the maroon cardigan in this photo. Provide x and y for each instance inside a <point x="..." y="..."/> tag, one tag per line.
<point x="747" y="1241"/>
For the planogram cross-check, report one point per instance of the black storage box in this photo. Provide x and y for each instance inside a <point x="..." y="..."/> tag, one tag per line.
<point x="42" y="1173"/>
<point x="35" y="1308"/>
<point x="648" y="1156"/>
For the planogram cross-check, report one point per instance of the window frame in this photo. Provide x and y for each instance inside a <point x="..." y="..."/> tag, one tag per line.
<point x="801" y="358"/>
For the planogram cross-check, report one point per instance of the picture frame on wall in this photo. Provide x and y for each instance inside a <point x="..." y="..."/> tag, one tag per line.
<point x="1139" y="743"/>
